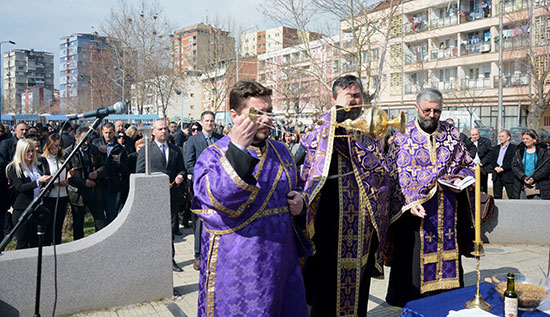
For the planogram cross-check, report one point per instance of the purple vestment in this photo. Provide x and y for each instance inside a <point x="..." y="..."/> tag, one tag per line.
<point x="364" y="190"/>
<point x="249" y="260"/>
<point x="422" y="159"/>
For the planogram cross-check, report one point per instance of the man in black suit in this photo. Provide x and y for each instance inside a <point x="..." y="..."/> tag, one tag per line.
<point x="166" y="158"/>
<point x="482" y="156"/>
<point x="501" y="165"/>
<point x="116" y="168"/>
<point x="193" y="148"/>
<point x="7" y="150"/>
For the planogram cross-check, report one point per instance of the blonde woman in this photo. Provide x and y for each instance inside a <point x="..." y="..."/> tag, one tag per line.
<point x="52" y="159"/>
<point x="26" y="179"/>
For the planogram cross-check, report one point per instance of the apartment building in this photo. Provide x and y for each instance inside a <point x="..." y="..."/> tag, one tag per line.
<point x="272" y="40"/>
<point x="300" y="75"/>
<point x="216" y="84"/>
<point x="454" y="46"/>
<point x="87" y="69"/>
<point x="25" y="70"/>
<point x="197" y="46"/>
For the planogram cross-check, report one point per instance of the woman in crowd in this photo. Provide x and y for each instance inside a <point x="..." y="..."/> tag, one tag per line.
<point x="288" y="140"/>
<point x="23" y="173"/>
<point x="531" y="166"/>
<point x="52" y="159"/>
<point x="133" y="133"/>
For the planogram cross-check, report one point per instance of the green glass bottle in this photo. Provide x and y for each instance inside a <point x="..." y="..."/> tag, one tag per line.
<point x="511" y="298"/>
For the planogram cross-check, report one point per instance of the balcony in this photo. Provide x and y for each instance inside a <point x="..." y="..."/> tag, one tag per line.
<point x="475" y="48"/>
<point x="515" y="80"/>
<point x="421" y="25"/>
<point x="479" y="14"/>
<point x="412" y="88"/>
<point x="443" y="22"/>
<point x="514" y="6"/>
<point x="444" y="85"/>
<point x="477" y="83"/>
<point x="416" y="58"/>
<point x="443" y="53"/>
<point x="512" y="43"/>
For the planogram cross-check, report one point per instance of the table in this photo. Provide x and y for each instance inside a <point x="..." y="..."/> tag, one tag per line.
<point x="440" y="305"/>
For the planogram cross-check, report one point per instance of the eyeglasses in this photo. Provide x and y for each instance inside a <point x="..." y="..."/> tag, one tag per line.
<point x="194" y="129"/>
<point x="121" y="136"/>
<point x="428" y="111"/>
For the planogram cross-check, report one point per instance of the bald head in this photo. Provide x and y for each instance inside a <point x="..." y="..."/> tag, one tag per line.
<point x="474" y="134"/>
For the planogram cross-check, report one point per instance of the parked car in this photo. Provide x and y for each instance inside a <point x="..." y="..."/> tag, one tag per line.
<point x="516" y="133"/>
<point x="489" y="133"/>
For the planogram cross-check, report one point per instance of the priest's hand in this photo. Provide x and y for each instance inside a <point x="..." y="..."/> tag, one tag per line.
<point x="243" y="130"/>
<point x="295" y="203"/>
<point x="418" y="211"/>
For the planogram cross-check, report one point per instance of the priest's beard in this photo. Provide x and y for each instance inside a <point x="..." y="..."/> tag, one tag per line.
<point x="261" y="136"/>
<point x="427" y="124"/>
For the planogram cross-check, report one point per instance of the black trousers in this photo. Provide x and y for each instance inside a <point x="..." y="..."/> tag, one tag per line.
<point x="96" y="208"/>
<point x="498" y="184"/>
<point x="59" y="215"/>
<point x="26" y="235"/>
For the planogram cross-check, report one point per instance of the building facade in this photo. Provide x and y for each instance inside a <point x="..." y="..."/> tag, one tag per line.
<point x="454" y="46"/>
<point x="37" y="100"/>
<point x="300" y="75"/>
<point x="197" y="46"/>
<point x="272" y="40"/>
<point x="88" y="73"/>
<point x="26" y="70"/>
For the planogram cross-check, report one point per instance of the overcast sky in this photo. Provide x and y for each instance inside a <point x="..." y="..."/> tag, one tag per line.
<point x="39" y="24"/>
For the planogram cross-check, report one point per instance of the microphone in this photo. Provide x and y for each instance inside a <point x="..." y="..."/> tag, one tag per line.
<point x="118" y="107"/>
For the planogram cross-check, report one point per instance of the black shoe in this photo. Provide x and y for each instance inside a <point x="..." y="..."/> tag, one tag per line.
<point x="175" y="267"/>
<point x="178" y="233"/>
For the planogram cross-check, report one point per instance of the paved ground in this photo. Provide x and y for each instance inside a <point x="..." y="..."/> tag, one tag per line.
<point x="527" y="259"/>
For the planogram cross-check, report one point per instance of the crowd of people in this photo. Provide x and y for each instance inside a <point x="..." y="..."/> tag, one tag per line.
<point x="260" y="195"/>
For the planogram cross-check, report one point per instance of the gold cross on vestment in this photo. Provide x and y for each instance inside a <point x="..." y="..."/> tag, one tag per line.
<point x="430" y="237"/>
<point x="449" y="234"/>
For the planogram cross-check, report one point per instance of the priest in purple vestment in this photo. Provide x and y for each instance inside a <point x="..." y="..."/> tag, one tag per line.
<point x="434" y="228"/>
<point x="348" y="187"/>
<point x="245" y="195"/>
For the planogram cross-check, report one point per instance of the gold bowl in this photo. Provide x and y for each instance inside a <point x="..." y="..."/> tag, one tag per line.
<point x="531" y="291"/>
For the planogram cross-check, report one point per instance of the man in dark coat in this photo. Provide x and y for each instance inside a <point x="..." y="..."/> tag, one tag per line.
<point x="482" y="156"/>
<point x="86" y="170"/>
<point x="166" y="158"/>
<point x="116" y="167"/>
<point x="193" y="148"/>
<point x="501" y="166"/>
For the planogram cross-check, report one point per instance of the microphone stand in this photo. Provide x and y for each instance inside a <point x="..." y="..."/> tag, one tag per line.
<point x="33" y="207"/>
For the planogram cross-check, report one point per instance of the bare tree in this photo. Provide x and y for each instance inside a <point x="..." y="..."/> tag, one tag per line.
<point x="143" y="50"/>
<point x="215" y="61"/>
<point x="539" y="62"/>
<point x="362" y="32"/>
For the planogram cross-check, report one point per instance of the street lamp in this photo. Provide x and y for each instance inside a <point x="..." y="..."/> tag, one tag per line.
<point x="179" y="93"/>
<point x="2" y="78"/>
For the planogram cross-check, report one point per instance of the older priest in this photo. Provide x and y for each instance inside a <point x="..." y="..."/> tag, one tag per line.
<point x="244" y="194"/>
<point x="435" y="226"/>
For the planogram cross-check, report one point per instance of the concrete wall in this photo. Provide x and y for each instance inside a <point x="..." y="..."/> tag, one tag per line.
<point x="127" y="262"/>
<point x="519" y="222"/>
